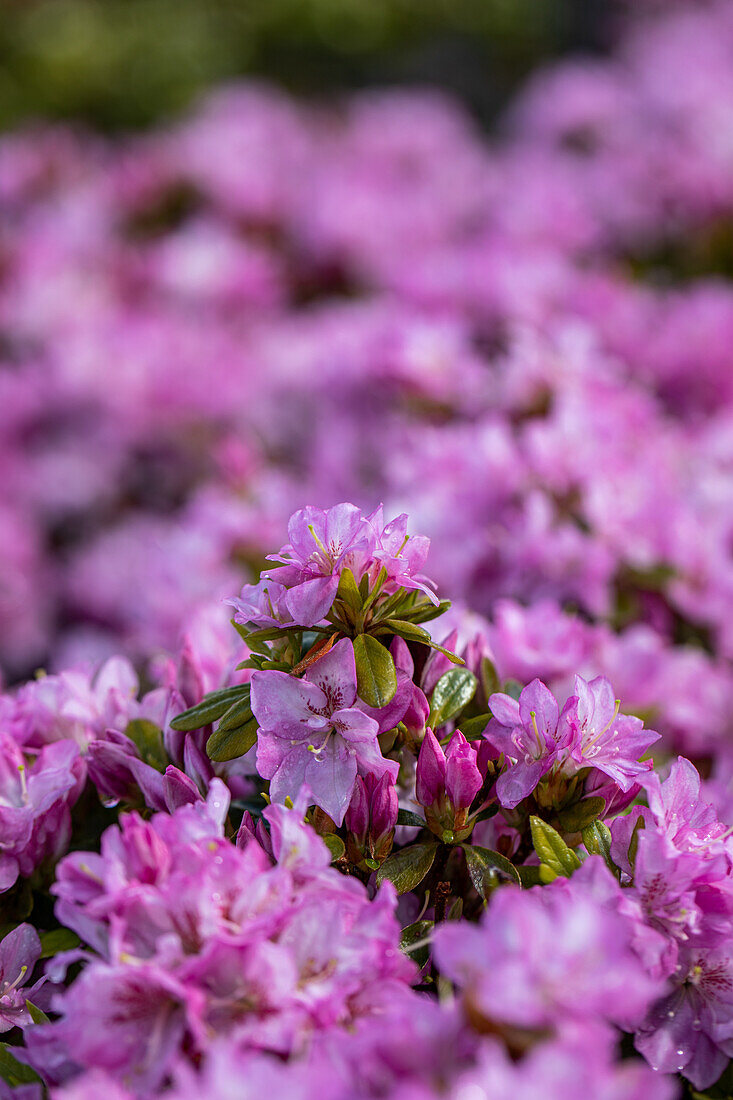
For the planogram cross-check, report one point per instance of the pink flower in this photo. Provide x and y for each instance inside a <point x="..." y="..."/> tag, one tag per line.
<point x="527" y="733"/>
<point x="312" y="734"/>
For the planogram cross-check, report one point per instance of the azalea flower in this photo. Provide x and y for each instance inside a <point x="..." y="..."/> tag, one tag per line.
<point x="313" y="734"/>
<point x="526" y="732"/>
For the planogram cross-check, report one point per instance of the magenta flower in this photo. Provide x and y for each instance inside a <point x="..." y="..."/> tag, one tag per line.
<point x="526" y="732"/>
<point x="597" y="736"/>
<point x="400" y="555"/>
<point x="321" y="545"/>
<point x="35" y="821"/>
<point x="552" y="958"/>
<point x="20" y="950"/>
<point x="691" y="1029"/>
<point x="312" y="734"/>
<point x="262" y="605"/>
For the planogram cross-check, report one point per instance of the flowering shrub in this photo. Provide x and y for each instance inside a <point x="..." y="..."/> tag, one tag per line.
<point x="333" y="837"/>
<point x="351" y="841"/>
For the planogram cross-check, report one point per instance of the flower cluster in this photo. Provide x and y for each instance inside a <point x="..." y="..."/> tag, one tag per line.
<point x="250" y="924"/>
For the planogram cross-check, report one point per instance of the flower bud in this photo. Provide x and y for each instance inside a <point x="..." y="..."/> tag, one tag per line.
<point x="462" y="777"/>
<point x="430" y="774"/>
<point x="371" y="819"/>
<point x="416" y="716"/>
<point x="357" y="815"/>
<point x="446" y="785"/>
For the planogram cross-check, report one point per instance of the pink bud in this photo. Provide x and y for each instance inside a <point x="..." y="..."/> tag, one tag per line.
<point x="247" y="832"/>
<point x="357" y="815"/>
<point x="179" y="789"/>
<point x="462" y="777"/>
<point x="190" y="679"/>
<point x="384" y="808"/>
<point x="416" y="715"/>
<point x="430" y="774"/>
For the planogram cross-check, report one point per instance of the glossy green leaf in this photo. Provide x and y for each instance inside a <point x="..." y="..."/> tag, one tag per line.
<point x="552" y="849"/>
<point x="512" y="688"/>
<point x="149" y="741"/>
<point x="472" y="728"/>
<point x="348" y="590"/>
<point x="454" y="690"/>
<point x="226" y="745"/>
<point x="57" y="940"/>
<point x="415" y="934"/>
<point x="584" y="813"/>
<point x="335" y="845"/>
<point x="529" y="875"/>
<point x="482" y="864"/>
<point x="407" y="817"/>
<point x="211" y="707"/>
<point x="238" y="714"/>
<point x="268" y="634"/>
<point x="36" y="1014"/>
<point x="634" y="842"/>
<point x="408" y="867"/>
<point x="597" y="840"/>
<point x="375" y="671"/>
<point x="490" y="682"/>
<point x="426" y="611"/>
<point x="409" y="631"/>
<point x="12" y="1071"/>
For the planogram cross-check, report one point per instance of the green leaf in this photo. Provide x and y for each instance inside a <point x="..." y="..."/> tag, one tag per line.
<point x="415" y="934"/>
<point x="490" y="681"/>
<point x="36" y="1014"/>
<point x="512" y="688"/>
<point x="408" y="867"/>
<point x="456" y="910"/>
<point x="634" y="842"/>
<point x="426" y="611"/>
<point x="597" y="840"/>
<point x="268" y="634"/>
<point x="452" y="657"/>
<point x="348" y="591"/>
<point x="241" y="630"/>
<point x="578" y="817"/>
<point x="14" y="1072"/>
<point x="529" y="875"/>
<point x="335" y="845"/>
<point x="238" y="714"/>
<point x="58" y="939"/>
<point x="454" y="690"/>
<point x="211" y="707"/>
<point x="226" y="745"/>
<point x="407" y="817"/>
<point x="552" y="849"/>
<point x="482" y="863"/>
<point x="409" y="631"/>
<point x="472" y="728"/>
<point x="375" y="672"/>
<point x="149" y="740"/>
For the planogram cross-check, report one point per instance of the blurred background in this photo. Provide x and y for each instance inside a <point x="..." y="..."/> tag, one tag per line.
<point x="470" y="258"/>
<point x="129" y="63"/>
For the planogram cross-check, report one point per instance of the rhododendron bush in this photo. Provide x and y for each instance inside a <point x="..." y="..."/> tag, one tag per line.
<point x="366" y="593"/>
